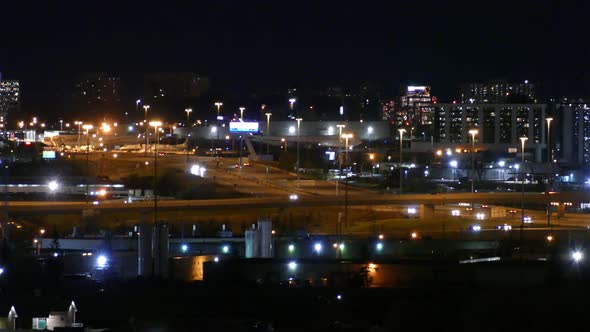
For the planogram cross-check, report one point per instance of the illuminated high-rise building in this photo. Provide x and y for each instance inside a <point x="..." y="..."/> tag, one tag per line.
<point x="498" y="92"/>
<point x="9" y="97"/>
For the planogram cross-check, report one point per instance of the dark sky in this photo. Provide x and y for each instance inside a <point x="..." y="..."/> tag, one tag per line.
<point x="244" y="45"/>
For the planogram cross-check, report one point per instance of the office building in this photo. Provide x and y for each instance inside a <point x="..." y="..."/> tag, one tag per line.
<point x="500" y="126"/>
<point x="9" y="97"/>
<point x="97" y="94"/>
<point x="571" y="133"/>
<point x="415" y="111"/>
<point x="498" y="92"/>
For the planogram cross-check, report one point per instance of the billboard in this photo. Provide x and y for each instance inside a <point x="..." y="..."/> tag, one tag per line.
<point x="48" y="154"/>
<point x="243" y="127"/>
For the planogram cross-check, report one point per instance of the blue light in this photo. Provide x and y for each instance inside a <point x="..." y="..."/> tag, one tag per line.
<point x="379" y="246"/>
<point x="184" y="248"/>
<point x="102" y="261"/>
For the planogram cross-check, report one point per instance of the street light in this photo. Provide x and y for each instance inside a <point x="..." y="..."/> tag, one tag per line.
<point x="145" y="109"/>
<point x="156" y="124"/>
<point x="522" y="141"/>
<point x="401" y="142"/>
<point x="267" y="129"/>
<point x="298" y="139"/>
<point x="87" y="127"/>
<point x="472" y="132"/>
<point x="549" y="169"/>
<point x="79" y="123"/>
<point x="242" y="109"/>
<point x="188" y="113"/>
<point x="218" y="104"/>
<point x="346" y="137"/>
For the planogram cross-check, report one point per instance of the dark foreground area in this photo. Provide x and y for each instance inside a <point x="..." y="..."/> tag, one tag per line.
<point x="162" y="306"/>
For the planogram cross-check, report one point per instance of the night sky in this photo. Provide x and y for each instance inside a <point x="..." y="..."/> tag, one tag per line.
<point x="243" y="45"/>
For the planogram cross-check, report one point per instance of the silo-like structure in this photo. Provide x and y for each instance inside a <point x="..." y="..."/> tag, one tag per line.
<point x="144" y="250"/>
<point x="252" y="243"/>
<point x="266" y="239"/>
<point x="161" y="249"/>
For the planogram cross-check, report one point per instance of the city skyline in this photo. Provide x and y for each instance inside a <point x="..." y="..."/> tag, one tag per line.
<point x="245" y="48"/>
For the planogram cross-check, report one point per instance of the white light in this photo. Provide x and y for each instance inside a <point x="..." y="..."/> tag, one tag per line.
<point x="476" y="228"/>
<point x="577" y="256"/>
<point x="184" y="248"/>
<point x="293" y="197"/>
<point x="130" y="128"/>
<point x="480" y="216"/>
<point x="1" y="271"/>
<point x="341" y="246"/>
<point x="341" y="110"/>
<point x="453" y="163"/>
<point x="55" y="254"/>
<point x="517" y="166"/>
<point x="449" y="153"/>
<point x="53" y="185"/>
<point x="455" y="213"/>
<point x="213" y="129"/>
<point x="330" y="130"/>
<point x="292" y="266"/>
<point x="339" y="297"/>
<point x="291" y="247"/>
<point x="101" y="261"/>
<point x="195" y="170"/>
<point x="317" y="247"/>
<point x="216" y="259"/>
<point x="379" y="246"/>
<point x="292" y="130"/>
<point x="412" y="210"/>
<point x="501" y="163"/>
<point x="370" y="130"/>
<point x="225" y="249"/>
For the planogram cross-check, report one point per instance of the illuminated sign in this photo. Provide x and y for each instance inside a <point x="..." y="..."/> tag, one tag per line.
<point x="412" y="88"/>
<point x="243" y="127"/>
<point x="48" y="154"/>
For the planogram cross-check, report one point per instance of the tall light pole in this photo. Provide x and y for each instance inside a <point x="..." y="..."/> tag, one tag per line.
<point x="79" y="123"/>
<point x="61" y="125"/>
<point x="346" y="137"/>
<point x="156" y="124"/>
<point x="549" y="169"/>
<point x="242" y="109"/>
<point x="522" y="141"/>
<point x="401" y="145"/>
<point x="137" y="102"/>
<point x="188" y="128"/>
<point x="146" y="132"/>
<point x="298" y="139"/>
<point x="340" y="126"/>
<point x="218" y="104"/>
<point x="87" y="127"/>
<point x="472" y="132"/>
<point x="267" y="130"/>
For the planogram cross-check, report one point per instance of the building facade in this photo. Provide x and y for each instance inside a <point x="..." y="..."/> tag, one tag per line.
<point x="9" y="98"/>
<point x="499" y="126"/>
<point x="498" y="92"/>
<point x="572" y="135"/>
